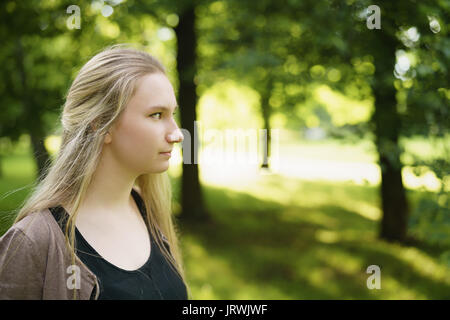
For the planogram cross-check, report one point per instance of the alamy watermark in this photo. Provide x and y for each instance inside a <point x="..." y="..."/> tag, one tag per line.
<point x="74" y="20"/>
<point x="231" y="146"/>
<point x="374" y="281"/>
<point x="374" y="19"/>
<point x="74" y="280"/>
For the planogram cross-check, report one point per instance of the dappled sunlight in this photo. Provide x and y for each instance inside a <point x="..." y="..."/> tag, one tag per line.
<point x="307" y="166"/>
<point x="316" y="275"/>
<point x="344" y="267"/>
<point x="229" y="104"/>
<point x="209" y="275"/>
<point x="394" y="289"/>
<point x="308" y="169"/>
<point x="425" y="265"/>
<point x="316" y="217"/>
<point x="290" y="191"/>
<point x="257" y="291"/>
<point x="107" y="28"/>
<point x="205" y="273"/>
<point x="326" y="236"/>
<point x="367" y="210"/>
<point x="346" y="263"/>
<point x="428" y="180"/>
<point x="342" y="108"/>
<point x="320" y="277"/>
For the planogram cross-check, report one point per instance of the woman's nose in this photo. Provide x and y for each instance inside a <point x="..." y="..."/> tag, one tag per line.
<point x="176" y="136"/>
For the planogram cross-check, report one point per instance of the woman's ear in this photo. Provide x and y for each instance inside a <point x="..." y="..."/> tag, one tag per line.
<point x="108" y="138"/>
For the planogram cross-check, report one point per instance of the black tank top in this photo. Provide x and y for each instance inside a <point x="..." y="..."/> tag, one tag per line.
<point x="155" y="280"/>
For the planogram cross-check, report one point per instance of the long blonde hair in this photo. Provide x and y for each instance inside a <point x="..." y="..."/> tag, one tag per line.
<point x="96" y="98"/>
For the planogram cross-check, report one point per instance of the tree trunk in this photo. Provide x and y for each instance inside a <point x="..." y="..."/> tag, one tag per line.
<point x="40" y="153"/>
<point x="266" y="112"/>
<point x="386" y="122"/>
<point x="191" y="193"/>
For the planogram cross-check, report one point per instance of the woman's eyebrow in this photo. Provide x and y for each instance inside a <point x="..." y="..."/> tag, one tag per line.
<point x="162" y="107"/>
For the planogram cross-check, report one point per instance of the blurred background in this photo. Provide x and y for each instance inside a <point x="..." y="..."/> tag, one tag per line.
<point x="353" y="168"/>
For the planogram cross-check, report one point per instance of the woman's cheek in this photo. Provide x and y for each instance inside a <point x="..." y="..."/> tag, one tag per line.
<point x="129" y="143"/>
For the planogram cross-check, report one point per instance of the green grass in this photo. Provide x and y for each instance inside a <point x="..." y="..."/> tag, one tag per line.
<point x="19" y="172"/>
<point x="285" y="238"/>
<point x="259" y="249"/>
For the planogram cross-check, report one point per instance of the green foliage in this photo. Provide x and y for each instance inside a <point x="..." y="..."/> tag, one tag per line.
<point x="430" y="220"/>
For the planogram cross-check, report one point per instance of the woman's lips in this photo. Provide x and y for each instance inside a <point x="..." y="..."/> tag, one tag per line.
<point x="166" y="153"/>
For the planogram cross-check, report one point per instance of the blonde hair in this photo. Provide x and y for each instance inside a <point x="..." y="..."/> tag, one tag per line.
<point x="96" y="98"/>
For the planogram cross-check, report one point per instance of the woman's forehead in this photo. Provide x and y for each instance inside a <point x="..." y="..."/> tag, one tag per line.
<point x="155" y="90"/>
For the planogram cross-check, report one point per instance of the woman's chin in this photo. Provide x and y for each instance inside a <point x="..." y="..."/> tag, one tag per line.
<point x="160" y="169"/>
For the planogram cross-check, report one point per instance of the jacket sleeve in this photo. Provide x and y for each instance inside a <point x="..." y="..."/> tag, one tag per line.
<point x="21" y="267"/>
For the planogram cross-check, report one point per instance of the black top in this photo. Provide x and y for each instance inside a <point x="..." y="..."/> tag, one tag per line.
<point x="156" y="279"/>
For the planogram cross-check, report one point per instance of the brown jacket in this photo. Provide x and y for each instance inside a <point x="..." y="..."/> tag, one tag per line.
<point x="35" y="263"/>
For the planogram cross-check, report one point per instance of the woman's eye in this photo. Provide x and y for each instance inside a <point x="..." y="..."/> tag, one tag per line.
<point x="156" y="114"/>
<point x="160" y="113"/>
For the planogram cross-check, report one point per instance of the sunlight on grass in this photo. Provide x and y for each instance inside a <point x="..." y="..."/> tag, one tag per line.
<point x="326" y="236"/>
<point x="425" y="265"/>
<point x="210" y="275"/>
<point x="311" y="216"/>
<point x="334" y="267"/>
<point x="320" y="276"/>
<point x="339" y="259"/>
<point x="393" y="289"/>
<point x="317" y="275"/>
<point x="205" y="269"/>
<point x="273" y="188"/>
<point x="311" y="161"/>
<point x="368" y="210"/>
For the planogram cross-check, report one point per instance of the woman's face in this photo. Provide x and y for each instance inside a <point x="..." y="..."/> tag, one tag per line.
<point x="146" y="127"/>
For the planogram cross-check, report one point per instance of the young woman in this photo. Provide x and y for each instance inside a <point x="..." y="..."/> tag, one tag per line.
<point x="98" y="225"/>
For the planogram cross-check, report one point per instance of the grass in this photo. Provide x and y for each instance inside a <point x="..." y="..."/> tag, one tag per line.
<point x="318" y="251"/>
<point x="287" y="238"/>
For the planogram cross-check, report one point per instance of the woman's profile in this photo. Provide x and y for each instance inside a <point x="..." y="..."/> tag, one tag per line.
<point x="98" y="224"/>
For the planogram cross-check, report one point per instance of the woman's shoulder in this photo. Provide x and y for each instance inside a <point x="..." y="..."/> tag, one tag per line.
<point x="34" y="227"/>
<point x="24" y="256"/>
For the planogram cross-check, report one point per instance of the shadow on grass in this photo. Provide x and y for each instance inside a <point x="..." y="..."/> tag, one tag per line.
<point x="267" y="244"/>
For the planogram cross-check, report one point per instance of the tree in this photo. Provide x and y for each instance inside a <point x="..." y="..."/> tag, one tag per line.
<point x="29" y="91"/>
<point x="335" y="35"/>
<point x="192" y="199"/>
<point x="192" y="203"/>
